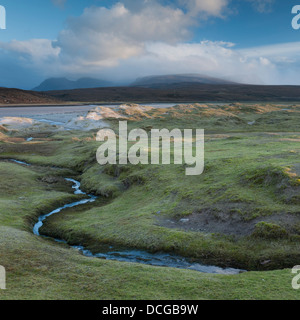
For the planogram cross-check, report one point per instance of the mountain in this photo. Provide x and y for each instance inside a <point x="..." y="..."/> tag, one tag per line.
<point x="170" y="80"/>
<point x="66" y="84"/>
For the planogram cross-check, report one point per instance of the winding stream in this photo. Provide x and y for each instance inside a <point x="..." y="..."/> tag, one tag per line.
<point x="128" y="255"/>
<point x="76" y="186"/>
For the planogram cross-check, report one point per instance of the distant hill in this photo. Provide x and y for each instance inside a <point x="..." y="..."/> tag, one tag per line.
<point x="66" y="84"/>
<point x="181" y="93"/>
<point x="16" y="96"/>
<point x="170" y="80"/>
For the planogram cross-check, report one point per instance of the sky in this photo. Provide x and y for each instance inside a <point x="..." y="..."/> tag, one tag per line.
<point x="247" y="41"/>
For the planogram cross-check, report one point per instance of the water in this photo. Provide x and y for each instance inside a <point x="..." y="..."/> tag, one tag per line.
<point x="53" y="123"/>
<point x="38" y="111"/>
<point x="157" y="259"/>
<point x="30" y="111"/>
<point x="20" y="162"/>
<point x="76" y="186"/>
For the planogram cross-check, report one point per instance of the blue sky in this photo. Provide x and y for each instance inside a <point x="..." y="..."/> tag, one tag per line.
<point x="250" y="41"/>
<point x="243" y="24"/>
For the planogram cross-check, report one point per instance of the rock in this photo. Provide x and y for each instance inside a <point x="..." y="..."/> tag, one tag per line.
<point x="265" y="262"/>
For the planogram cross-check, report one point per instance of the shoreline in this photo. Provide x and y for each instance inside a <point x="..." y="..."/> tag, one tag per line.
<point x="112" y="103"/>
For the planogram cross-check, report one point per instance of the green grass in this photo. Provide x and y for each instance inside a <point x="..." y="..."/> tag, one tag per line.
<point x="39" y="269"/>
<point x="235" y="183"/>
<point x="250" y="178"/>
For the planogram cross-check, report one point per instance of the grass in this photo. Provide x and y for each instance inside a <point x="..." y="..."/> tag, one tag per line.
<point x="248" y="194"/>
<point x="39" y="269"/>
<point x="236" y="185"/>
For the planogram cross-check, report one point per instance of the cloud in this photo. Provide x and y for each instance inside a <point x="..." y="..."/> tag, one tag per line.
<point x="104" y="37"/>
<point x="134" y="39"/>
<point x="37" y="50"/>
<point x="218" y="59"/>
<point x="276" y="52"/>
<point x="191" y="7"/>
<point x="208" y="7"/>
<point x="24" y="63"/>
<point x="276" y="64"/>
<point x="284" y="57"/>
<point x="262" y="6"/>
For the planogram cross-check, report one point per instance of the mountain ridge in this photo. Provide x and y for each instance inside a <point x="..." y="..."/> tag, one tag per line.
<point x="62" y="83"/>
<point x="173" y="79"/>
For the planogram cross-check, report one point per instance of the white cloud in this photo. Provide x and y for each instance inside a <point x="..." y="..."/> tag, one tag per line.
<point x="262" y="5"/>
<point x="281" y="51"/>
<point x="208" y="7"/>
<point x="284" y="57"/>
<point x="103" y="37"/>
<point x="37" y="50"/>
<point x="278" y="64"/>
<point x="218" y="59"/>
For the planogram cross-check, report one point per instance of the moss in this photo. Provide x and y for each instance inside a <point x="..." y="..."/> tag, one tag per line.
<point x="268" y="176"/>
<point x="266" y="230"/>
<point x="93" y="180"/>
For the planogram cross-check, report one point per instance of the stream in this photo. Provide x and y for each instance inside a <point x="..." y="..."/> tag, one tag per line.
<point x="127" y="255"/>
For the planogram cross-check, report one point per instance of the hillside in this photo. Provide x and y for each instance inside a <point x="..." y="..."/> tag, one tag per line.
<point x="16" y="96"/>
<point x="183" y="92"/>
<point x="157" y="81"/>
<point x="187" y="92"/>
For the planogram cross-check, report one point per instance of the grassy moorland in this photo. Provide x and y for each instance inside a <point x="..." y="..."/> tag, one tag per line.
<point x="243" y="211"/>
